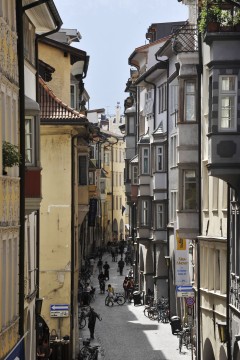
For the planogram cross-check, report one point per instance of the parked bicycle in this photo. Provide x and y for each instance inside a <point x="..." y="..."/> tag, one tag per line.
<point x="184" y="338"/>
<point x="88" y="352"/>
<point x="117" y="298"/>
<point x="163" y="310"/>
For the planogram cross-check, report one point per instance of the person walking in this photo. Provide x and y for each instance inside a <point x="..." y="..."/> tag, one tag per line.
<point x="101" y="279"/>
<point x="91" y="262"/>
<point x="92" y="316"/>
<point x="99" y="265"/>
<point x="121" y="265"/>
<point x="125" y="282"/>
<point x="106" y="268"/>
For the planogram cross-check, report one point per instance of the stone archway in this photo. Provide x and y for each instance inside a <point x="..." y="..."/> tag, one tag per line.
<point x="236" y="351"/>
<point x="208" y="353"/>
<point x="162" y="269"/>
<point x="222" y="354"/>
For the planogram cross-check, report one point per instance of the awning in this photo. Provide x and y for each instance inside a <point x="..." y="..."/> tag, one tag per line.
<point x="31" y="107"/>
<point x="18" y="350"/>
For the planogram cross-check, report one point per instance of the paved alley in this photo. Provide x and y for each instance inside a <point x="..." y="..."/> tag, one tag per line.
<point x="125" y="333"/>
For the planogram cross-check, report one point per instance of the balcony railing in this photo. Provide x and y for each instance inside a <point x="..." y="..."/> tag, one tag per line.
<point x="9" y="200"/>
<point x="185" y="38"/>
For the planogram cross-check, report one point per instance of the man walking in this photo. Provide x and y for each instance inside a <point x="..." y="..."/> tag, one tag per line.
<point x="121" y="265"/>
<point x="92" y="316"/>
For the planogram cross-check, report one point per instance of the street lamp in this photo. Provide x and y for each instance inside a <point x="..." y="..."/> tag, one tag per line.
<point x="222" y="330"/>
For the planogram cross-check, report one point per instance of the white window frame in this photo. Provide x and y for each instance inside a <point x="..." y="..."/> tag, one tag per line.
<point x="173" y="151"/>
<point x="159" y="158"/>
<point x="190" y="99"/>
<point x="134" y="175"/>
<point x="145" y="213"/>
<point x="186" y="183"/>
<point x="173" y="205"/>
<point x="230" y="94"/>
<point x="30" y="145"/>
<point x="145" y="161"/>
<point x="160" y="216"/>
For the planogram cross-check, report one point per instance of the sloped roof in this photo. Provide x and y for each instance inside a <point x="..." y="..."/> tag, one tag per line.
<point x="53" y="109"/>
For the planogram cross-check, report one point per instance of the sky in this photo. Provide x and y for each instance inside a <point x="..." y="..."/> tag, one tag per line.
<point x="111" y="30"/>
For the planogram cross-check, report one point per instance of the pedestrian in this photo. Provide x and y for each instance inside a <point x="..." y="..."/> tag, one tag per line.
<point x="87" y="294"/>
<point x="116" y="254"/>
<point x="110" y="291"/>
<point x="106" y="268"/>
<point x="121" y="265"/>
<point x="44" y="351"/>
<point x="91" y="262"/>
<point x="92" y="316"/>
<point x="113" y="254"/>
<point x="125" y="281"/>
<point x="101" y="279"/>
<point x="99" y="265"/>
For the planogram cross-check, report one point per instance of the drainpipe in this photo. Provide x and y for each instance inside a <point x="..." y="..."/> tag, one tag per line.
<point x="199" y="71"/>
<point x="20" y="50"/>
<point x="228" y="274"/>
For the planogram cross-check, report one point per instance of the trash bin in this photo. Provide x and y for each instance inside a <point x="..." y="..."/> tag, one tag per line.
<point x="137" y="298"/>
<point x="175" y="324"/>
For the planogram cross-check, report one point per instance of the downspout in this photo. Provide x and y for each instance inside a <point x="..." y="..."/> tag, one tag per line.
<point x="228" y="274"/>
<point x="20" y="50"/>
<point x="199" y="71"/>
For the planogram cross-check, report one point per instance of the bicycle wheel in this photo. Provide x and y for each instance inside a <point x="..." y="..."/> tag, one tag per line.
<point x="121" y="300"/>
<point x="108" y="301"/>
<point x="82" y="323"/>
<point x="84" y="352"/>
<point x="145" y="311"/>
<point x="155" y="314"/>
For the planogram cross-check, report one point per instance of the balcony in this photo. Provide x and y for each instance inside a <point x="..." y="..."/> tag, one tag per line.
<point x="185" y="39"/>
<point x="9" y="199"/>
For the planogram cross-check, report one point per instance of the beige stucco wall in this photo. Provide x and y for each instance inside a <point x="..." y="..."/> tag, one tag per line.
<point x="55" y="227"/>
<point x="60" y="83"/>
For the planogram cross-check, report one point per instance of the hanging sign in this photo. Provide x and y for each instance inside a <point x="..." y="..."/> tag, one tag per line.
<point x="182" y="276"/>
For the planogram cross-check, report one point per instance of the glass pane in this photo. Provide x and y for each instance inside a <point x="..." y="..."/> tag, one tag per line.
<point x="228" y="83"/>
<point x="190" y="87"/>
<point x="190" y="108"/>
<point x="227" y="111"/>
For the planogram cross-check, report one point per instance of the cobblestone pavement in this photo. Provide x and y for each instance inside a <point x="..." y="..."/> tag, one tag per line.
<point x="125" y="333"/>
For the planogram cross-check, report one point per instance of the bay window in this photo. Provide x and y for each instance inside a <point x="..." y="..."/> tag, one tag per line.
<point x="189" y="190"/>
<point x="145" y="161"/>
<point x="145" y="213"/>
<point x="159" y="158"/>
<point x="82" y="170"/>
<point x="190" y="100"/>
<point x="228" y="102"/>
<point x="160" y="216"/>
<point x="29" y="140"/>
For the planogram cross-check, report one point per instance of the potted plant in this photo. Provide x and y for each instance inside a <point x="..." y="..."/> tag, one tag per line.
<point x="210" y="17"/>
<point x="10" y="156"/>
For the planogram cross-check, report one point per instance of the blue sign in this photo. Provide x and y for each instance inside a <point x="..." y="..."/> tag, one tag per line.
<point x="59" y="307"/>
<point x="184" y="288"/>
<point x="18" y="352"/>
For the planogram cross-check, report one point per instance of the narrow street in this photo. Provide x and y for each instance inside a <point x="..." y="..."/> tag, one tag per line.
<point x="125" y="333"/>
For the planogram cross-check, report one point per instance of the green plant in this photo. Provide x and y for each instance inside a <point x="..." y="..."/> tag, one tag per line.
<point x="236" y="17"/>
<point x="210" y="12"/>
<point x="10" y="155"/>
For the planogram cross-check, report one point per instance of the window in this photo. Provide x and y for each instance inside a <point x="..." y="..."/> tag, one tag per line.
<point x="145" y="160"/>
<point x="73" y="96"/>
<point x="173" y="151"/>
<point x="159" y="158"/>
<point x="190" y="100"/>
<point x="162" y="98"/>
<point x="160" y="216"/>
<point x="227" y="102"/>
<point x="174" y="91"/>
<point x="215" y="186"/>
<point x="29" y="140"/>
<point x="120" y="179"/>
<point x="131" y="125"/>
<point x="83" y="170"/>
<point x="145" y="213"/>
<point x="29" y="40"/>
<point x="173" y="205"/>
<point x="189" y="190"/>
<point x="91" y="178"/>
<point x="106" y="158"/>
<point x="134" y="175"/>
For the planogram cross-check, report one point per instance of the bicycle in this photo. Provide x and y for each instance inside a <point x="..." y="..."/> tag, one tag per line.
<point x="88" y="352"/>
<point x="184" y="338"/>
<point x="82" y="318"/>
<point x="118" y="298"/>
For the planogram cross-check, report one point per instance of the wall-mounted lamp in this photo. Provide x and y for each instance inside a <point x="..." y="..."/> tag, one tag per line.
<point x="38" y="306"/>
<point x="190" y="249"/>
<point x="167" y="259"/>
<point x="222" y="330"/>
